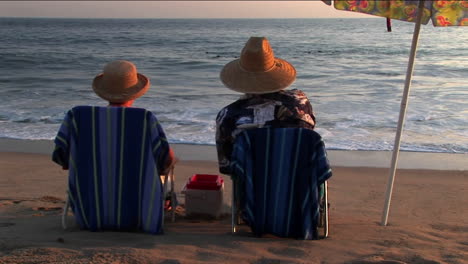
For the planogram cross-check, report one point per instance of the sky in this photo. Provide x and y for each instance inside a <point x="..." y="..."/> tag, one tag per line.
<point x="171" y="9"/>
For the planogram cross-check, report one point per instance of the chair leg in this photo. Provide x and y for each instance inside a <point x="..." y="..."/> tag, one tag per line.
<point x="233" y="211"/>
<point x="165" y="183"/>
<point x="169" y="177"/>
<point x="234" y="216"/>
<point x="166" y="178"/>
<point x="65" y="212"/>
<point x="325" y="211"/>
<point x="172" y="195"/>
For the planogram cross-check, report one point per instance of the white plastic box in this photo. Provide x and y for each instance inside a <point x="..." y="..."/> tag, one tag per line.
<point x="204" y="195"/>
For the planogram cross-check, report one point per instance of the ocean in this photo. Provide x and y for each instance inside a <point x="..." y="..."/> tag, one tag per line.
<point x="352" y="71"/>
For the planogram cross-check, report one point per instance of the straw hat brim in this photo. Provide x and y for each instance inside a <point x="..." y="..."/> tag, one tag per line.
<point x="279" y="77"/>
<point x="113" y="94"/>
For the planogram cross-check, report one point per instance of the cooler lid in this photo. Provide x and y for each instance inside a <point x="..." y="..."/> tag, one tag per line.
<point x="205" y="182"/>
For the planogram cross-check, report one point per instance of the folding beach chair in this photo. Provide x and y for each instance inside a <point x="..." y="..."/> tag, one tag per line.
<point x="279" y="178"/>
<point x="113" y="155"/>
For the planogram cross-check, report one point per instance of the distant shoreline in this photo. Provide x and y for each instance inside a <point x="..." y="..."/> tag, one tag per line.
<point x="194" y="18"/>
<point x="339" y="158"/>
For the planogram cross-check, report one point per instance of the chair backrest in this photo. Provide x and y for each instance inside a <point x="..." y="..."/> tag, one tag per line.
<point x="279" y="171"/>
<point x="113" y="155"/>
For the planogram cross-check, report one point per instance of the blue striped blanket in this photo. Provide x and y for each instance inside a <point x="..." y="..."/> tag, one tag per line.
<point x="114" y="156"/>
<point x="279" y="171"/>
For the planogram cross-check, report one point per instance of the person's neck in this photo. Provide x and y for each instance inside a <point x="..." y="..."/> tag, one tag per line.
<point x="124" y="104"/>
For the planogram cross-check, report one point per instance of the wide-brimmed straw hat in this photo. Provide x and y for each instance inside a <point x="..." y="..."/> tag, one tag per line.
<point x="258" y="71"/>
<point x="120" y="82"/>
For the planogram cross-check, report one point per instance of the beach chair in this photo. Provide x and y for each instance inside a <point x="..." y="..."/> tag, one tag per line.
<point x="113" y="155"/>
<point x="279" y="182"/>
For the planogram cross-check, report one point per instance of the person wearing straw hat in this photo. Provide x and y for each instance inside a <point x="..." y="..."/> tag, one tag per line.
<point x="120" y="85"/>
<point x="117" y="144"/>
<point x="263" y="79"/>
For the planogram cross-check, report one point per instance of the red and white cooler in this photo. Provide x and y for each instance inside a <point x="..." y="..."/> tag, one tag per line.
<point x="204" y="195"/>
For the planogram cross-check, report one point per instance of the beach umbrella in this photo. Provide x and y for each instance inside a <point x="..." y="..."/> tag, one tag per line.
<point x="442" y="13"/>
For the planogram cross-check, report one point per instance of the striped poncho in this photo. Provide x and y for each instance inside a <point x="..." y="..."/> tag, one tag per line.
<point x="114" y="156"/>
<point x="279" y="172"/>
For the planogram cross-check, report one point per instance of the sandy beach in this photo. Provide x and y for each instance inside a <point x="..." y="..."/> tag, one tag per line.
<point x="428" y="220"/>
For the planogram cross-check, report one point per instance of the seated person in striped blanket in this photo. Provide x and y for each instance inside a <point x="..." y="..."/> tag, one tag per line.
<point x="119" y="84"/>
<point x="265" y="103"/>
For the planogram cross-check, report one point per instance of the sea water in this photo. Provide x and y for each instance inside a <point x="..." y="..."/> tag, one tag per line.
<point x="352" y="70"/>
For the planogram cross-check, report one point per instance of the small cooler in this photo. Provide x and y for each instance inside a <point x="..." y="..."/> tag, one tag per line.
<point x="204" y="195"/>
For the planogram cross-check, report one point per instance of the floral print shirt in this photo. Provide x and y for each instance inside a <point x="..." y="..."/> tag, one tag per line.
<point x="286" y="108"/>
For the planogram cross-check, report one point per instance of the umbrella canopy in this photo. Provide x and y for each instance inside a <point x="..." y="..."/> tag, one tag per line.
<point x="441" y="13"/>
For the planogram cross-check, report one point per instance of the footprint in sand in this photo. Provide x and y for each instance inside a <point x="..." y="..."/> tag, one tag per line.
<point x="267" y="261"/>
<point x="4" y="202"/>
<point x="170" y="261"/>
<point x="47" y="209"/>
<point x="51" y="199"/>
<point x="377" y="262"/>
<point x="382" y="260"/>
<point x="450" y="228"/>
<point x="288" y="252"/>
<point x="274" y="261"/>
<point x="46" y="199"/>
<point x="43" y="211"/>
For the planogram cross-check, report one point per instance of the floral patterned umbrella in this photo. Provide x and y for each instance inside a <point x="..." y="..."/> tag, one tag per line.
<point x="442" y="13"/>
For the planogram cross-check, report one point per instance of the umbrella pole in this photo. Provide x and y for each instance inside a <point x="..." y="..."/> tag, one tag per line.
<point x="401" y="120"/>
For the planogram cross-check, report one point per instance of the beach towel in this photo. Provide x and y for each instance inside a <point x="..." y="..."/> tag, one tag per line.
<point x="114" y="156"/>
<point x="279" y="171"/>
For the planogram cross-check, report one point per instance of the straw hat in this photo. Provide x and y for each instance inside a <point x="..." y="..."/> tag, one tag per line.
<point x="257" y="71"/>
<point x="120" y="82"/>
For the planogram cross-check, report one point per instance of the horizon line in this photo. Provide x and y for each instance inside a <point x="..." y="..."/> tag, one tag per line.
<point x="1" y="17"/>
